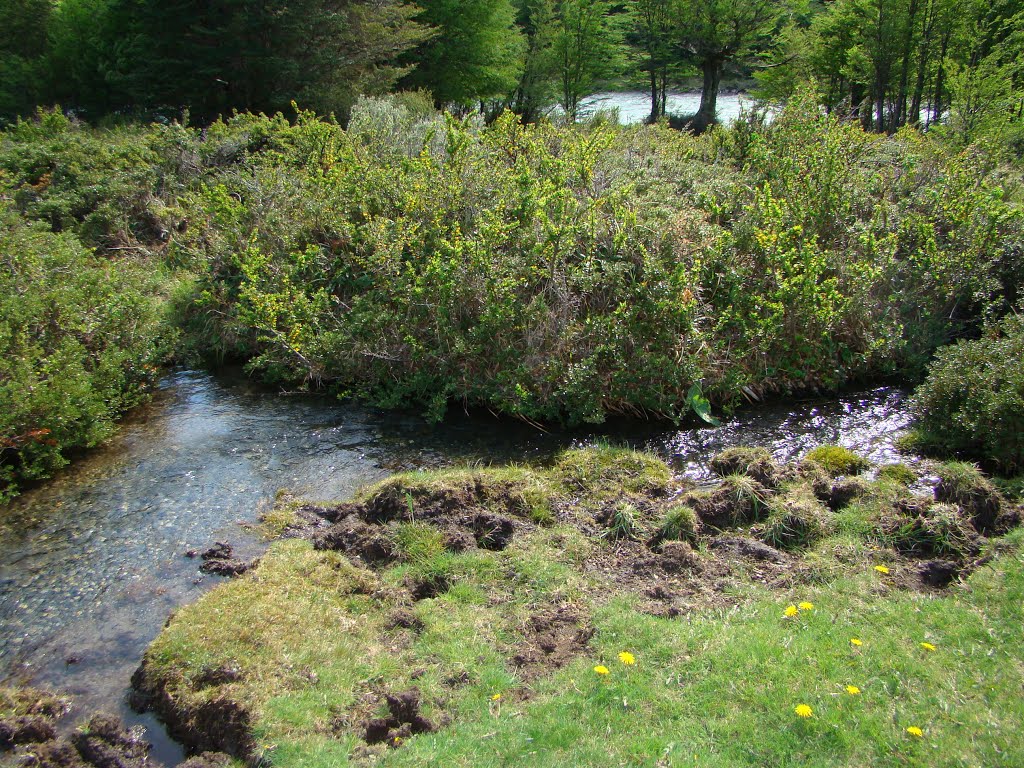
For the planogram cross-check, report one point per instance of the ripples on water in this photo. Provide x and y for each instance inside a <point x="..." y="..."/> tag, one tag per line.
<point x="91" y="563"/>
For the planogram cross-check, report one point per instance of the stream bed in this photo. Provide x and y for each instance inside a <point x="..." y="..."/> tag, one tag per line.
<point x="92" y="562"/>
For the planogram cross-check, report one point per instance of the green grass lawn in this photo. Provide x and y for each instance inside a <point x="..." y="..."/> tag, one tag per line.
<point x="316" y="641"/>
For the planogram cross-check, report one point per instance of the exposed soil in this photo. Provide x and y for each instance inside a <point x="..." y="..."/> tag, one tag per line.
<point x="219" y="560"/>
<point x="102" y="741"/>
<point x="403" y="721"/>
<point x="552" y="638"/>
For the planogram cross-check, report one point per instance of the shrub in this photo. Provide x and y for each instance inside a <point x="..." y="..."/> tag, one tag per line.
<point x="80" y="342"/>
<point x="972" y="402"/>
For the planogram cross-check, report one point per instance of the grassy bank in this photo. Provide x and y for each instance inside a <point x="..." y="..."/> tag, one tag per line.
<point x="598" y="612"/>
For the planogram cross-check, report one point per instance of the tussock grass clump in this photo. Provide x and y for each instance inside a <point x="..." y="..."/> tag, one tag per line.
<point x="603" y="470"/>
<point x="837" y="460"/>
<point x="943" y="530"/>
<point x="900" y="474"/>
<point x="753" y="462"/>
<point x="679" y="523"/>
<point x="739" y="500"/>
<point x="795" y="523"/>
<point x="963" y="484"/>
<point x="622" y="522"/>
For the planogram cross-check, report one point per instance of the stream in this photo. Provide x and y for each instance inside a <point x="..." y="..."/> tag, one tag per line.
<point x="92" y="562"/>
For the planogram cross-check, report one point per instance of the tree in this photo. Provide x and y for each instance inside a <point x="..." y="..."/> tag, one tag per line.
<point x="216" y="55"/>
<point x="535" y="91"/>
<point x="586" y="48"/>
<point x="476" y="54"/>
<point x="23" y="44"/>
<point x="713" y="33"/>
<point x="651" y="27"/>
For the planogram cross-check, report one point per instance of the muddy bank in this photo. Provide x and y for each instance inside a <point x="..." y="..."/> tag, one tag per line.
<point x="523" y="559"/>
<point x="30" y="736"/>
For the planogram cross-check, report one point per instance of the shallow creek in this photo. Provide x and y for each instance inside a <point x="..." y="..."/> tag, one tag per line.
<point x="92" y="563"/>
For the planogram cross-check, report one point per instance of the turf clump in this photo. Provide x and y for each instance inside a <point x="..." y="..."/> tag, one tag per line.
<point x="837" y="460"/>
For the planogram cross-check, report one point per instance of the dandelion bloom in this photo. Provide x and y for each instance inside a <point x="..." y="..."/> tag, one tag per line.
<point x="881" y="569"/>
<point x="601" y="669"/>
<point x="856" y="642"/>
<point x="496" y="697"/>
<point x="806" y="606"/>
<point x="803" y="710"/>
<point x="853" y="690"/>
<point x="915" y="731"/>
<point x="791" y="611"/>
<point x="928" y="646"/>
<point x="627" y="658"/>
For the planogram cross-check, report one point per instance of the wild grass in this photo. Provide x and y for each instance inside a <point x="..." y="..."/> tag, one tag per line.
<point x="317" y="643"/>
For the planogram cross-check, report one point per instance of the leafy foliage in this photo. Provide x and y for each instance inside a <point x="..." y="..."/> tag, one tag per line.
<point x="972" y="402"/>
<point x="80" y="342"/>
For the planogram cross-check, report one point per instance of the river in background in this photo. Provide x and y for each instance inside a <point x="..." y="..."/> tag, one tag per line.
<point x="635" y="106"/>
<point x="92" y="562"/>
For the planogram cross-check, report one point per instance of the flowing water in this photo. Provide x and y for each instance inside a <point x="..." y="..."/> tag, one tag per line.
<point x="92" y="562"/>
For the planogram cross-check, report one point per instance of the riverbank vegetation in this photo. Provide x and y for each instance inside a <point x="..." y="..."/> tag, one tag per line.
<point x="498" y="254"/>
<point x="540" y="615"/>
<point x="548" y="272"/>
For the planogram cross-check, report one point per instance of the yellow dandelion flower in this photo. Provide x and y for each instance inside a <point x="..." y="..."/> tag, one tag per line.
<point x="928" y="646"/>
<point x="496" y="697"/>
<point x="853" y="690"/>
<point x="802" y="710"/>
<point x="881" y="569"/>
<point x="627" y="658"/>
<point x="601" y="669"/>
<point x="806" y="606"/>
<point x="916" y="732"/>
<point x="857" y="642"/>
<point x="791" y="611"/>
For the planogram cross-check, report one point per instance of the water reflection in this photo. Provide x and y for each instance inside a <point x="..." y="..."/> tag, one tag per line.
<point x="91" y="563"/>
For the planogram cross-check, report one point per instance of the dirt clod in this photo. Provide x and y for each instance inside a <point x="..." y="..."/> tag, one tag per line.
<point x="404" y="720"/>
<point x="740" y="545"/>
<point x="219" y="560"/>
<point x="354" y="537"/>
<point x="25" y="729"/>
<point x="492" y="532"/>
<point x="938" y="573"/>
<point x="678" y="557"/>
<point x="207" y="760"/>
<point x="552" y="639"/>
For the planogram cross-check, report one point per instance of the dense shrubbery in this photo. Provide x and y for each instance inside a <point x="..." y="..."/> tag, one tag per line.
<point x="564" y="273"/>
<point x="548" y="272"/>
<point x="972" y="402"/>
<point x="81" y="340"/>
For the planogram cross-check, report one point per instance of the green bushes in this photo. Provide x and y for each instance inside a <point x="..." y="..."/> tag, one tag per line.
<point x="972" y="402"/>
<point x="565" y="273"/>
<point x="80" y="339"/>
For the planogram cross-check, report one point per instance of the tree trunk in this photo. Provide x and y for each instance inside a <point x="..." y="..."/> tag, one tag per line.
<point x="922" y="63"/>
<point x="940" y="78"/>
<point x="654" y="95"/>
<point x="706" y="115"/>
<point x="899" y="116"/>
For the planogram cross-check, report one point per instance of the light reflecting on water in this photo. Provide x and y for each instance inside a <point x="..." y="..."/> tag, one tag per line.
<point x="91" y="563"/>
